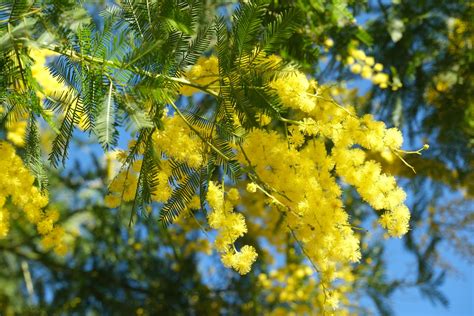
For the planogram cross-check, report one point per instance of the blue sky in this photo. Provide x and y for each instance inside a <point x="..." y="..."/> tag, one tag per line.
<point x="458" y="287"/>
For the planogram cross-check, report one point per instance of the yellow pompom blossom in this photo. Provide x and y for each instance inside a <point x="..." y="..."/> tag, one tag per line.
<point x="370" y="61"/>
<point x="329" y="43"/>
<point x="48" y="83"/>
<point x="4" y="218"/>
<point x="252" y="187"/>
<point x="295" y="286"/>
<point x="443" y="83"/>
<point x="178" y="141"/>
<point x="230" y="226"/>
<point x="356" y="68"/>
<point x="378" y="67"/>
<point x="366" y="66"/>
<point x="112" y="164"/>
<point x="263" y="119"/>
<point x="366" y="72"/>
<point x="295" y="137"/>
<point x="16" y="132"/>
<point x="233" y="194"/>
<point x="294" y="90"/>
<point x="175" y="141"/>
<point x="358" y="54"/>
<point x="16" y="183"/>
<point x="204" y="73"/>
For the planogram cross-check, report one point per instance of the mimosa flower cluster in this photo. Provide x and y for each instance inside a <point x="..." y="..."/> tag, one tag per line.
<point x="175" y="141"/>
<point x="48" y="83"/>
<point x="204" y="73"/>
<point x="16" y="131"/>
<point x="295" y="285"/>
<point x="369" y="69"/>
<point x="17" y="184"/>
<point x="230" y="226"/>
<point x="298" y="175"/>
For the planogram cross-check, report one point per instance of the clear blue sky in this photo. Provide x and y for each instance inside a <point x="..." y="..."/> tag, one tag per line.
<point x="458" y="287"/>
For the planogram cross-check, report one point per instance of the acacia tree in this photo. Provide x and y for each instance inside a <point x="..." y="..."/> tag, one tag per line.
<point x="231" y="146"/>
<point x="428" y="46"/>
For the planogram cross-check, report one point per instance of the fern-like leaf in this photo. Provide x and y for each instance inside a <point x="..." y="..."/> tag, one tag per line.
<point x="105" y="128"/>
<point x="132" y="13"/>
<point x="180" y="197"/>
<point x="70" y="104"/>
<point x="278" y="31"/>
<point x="248" y="22"/>
<point x="18" y="9"/>
<point x="197" y="47"/>
<point x="135" y="118"/>
<point x="33" y="153"/>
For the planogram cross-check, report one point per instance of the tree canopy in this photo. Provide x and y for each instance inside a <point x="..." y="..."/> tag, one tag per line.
<point x="223" y="157"/>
